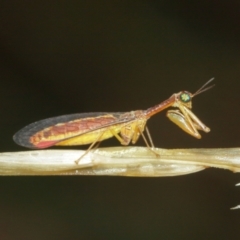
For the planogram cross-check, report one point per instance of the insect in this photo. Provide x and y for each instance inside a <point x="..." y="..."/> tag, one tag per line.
<point x="91" y="128"/>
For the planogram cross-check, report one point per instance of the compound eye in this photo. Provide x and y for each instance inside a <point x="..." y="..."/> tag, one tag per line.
<point x="185" y="97"/>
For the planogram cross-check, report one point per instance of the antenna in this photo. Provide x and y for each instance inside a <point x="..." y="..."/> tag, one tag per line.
<point x="202" y="89"/>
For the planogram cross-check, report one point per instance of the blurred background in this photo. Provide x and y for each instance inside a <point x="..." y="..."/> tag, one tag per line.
<point x="63" y="57"/>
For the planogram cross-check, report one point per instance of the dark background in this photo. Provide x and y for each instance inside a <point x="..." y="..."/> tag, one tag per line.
<point x="63" y="57"/>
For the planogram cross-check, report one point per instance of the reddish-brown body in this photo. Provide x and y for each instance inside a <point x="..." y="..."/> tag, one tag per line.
<point x="80" y="129"/>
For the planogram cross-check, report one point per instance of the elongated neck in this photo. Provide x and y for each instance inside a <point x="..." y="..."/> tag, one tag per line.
<point x="160" y="107"/>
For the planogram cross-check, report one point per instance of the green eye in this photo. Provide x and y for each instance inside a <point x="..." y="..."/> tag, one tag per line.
<point x="185" y="97"/>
